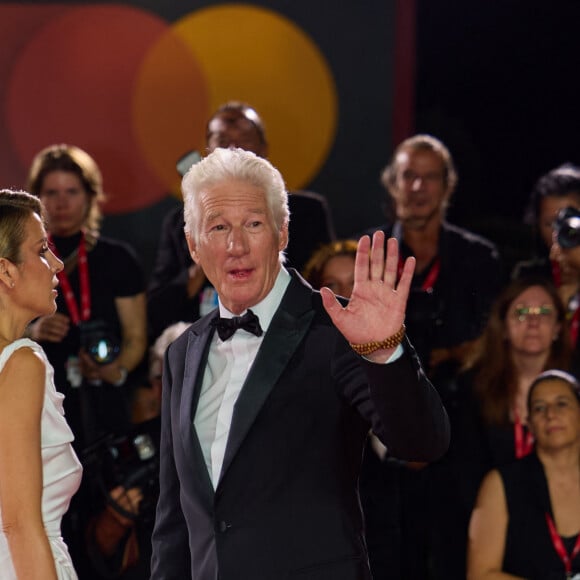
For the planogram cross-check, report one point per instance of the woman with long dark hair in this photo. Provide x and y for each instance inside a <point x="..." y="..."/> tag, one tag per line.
<point x="526" y="334"/>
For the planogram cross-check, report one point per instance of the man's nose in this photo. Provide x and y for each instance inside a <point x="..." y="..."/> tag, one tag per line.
<point x="417" y="182"/>
<point x="237" y="241"/>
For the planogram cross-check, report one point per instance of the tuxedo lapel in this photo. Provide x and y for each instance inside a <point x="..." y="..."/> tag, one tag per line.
<point x="195" y="359"/>
<point x="287" y="329"/>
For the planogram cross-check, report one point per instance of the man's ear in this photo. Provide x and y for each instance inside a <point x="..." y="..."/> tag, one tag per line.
<point x="192" y="247"/>
<point x="7" y="272"/>
<point x="283" y="237"/>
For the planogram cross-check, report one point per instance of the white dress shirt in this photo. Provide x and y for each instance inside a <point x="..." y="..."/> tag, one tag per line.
<point x="228" y="365"/>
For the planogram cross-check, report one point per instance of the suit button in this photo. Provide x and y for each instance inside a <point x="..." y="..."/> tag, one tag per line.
<point x="224" y="526"/>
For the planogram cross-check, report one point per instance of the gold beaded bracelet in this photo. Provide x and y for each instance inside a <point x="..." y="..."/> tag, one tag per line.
<point x="370" y="347"/>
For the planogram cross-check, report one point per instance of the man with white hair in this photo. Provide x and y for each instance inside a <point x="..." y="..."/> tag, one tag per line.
<point x="268" y="399"/>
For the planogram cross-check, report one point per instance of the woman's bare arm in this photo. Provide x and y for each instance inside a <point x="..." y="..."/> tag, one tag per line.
<point x="487" y="532"/>
<point x="21" y="399"/>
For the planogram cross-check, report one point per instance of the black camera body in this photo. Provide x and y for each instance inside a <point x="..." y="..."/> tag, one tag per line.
<point x="129" y="460"/>
<point x="99" y="342"/>
<point x="567" y="227"/>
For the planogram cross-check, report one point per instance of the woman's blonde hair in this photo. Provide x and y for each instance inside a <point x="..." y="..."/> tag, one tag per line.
<point x="15" y="210"/>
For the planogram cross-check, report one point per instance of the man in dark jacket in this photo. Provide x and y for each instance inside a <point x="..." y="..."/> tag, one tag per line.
<point x="268" y="399"/>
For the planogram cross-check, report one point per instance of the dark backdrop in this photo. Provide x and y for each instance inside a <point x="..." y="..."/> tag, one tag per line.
<point x="498" y="82"/>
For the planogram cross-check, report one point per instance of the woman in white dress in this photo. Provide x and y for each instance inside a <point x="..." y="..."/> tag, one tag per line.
<point x="39" y="471"/>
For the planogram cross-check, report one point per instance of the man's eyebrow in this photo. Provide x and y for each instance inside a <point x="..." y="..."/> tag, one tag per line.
<point x="213" y="215"/>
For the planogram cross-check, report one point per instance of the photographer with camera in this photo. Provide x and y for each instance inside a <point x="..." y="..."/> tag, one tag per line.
<point x="126" y="469"/>
<point x="98" y="334"/>
<point x="119" y="535"/>
<point x="565" y="252"/>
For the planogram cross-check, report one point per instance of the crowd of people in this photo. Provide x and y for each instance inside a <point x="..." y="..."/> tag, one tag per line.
<point x="275" y="402"/>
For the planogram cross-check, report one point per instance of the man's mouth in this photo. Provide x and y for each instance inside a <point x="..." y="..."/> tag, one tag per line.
<point x="240" y="274"/>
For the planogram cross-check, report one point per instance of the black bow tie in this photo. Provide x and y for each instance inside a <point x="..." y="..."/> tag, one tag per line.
<point x="227" y="326"/>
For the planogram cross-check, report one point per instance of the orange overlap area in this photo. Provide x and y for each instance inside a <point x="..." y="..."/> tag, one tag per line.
<point x="135" y="90"/>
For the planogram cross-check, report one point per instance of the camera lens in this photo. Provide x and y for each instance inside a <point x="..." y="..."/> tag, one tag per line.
<point x="103" y="351"/>
<point x="99" y="342"/>
<point x="567" y="228"/>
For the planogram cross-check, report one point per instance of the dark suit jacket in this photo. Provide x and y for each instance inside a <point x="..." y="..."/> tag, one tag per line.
<point x="286" y="505"/>
<point x="167" y="301"/>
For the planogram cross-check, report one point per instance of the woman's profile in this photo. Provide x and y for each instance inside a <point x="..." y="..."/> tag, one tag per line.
<point x="39" y="471"/>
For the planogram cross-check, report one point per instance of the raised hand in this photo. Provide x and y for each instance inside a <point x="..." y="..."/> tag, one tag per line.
<point x="376" y="309"/>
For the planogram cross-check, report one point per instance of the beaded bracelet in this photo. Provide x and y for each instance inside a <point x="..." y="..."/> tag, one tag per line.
<point x="370" y="347"/>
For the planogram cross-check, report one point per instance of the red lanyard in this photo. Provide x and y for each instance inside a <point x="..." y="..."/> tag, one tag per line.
<point x="556" y="273"/>
<point x="69" y="297"/>
<point x="574" y="327"/>
<point x="560" y="548"/>
<point x="431" y="277"/>
<point x="574" y="317"/>
<point x="523" y="445"/>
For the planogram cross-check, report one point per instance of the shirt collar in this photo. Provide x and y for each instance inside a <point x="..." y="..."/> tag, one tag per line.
<point x="265" y="309"/>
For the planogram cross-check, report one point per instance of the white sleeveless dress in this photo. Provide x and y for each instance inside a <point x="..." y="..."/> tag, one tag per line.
<point x="61" y="471"/>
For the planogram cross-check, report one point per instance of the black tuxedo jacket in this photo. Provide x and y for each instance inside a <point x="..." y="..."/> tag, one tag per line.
<point x="286" y="505"/>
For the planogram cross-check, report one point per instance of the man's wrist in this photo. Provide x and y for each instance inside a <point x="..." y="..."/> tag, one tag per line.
<point x="391" y="342"/>
<point x="377" y="359"/>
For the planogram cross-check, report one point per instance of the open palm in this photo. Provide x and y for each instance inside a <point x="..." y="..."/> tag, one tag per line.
<point x="376" y="309"/>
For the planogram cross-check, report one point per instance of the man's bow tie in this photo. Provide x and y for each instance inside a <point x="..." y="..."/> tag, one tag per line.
<point x="227" y="326"/>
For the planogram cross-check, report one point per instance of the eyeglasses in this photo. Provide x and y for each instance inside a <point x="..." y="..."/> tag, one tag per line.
<point x="409" y="176"/>
<point x="522" y="313"/>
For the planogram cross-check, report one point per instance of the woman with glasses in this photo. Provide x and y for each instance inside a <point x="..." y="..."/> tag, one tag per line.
<point x="526" y="334"/>
<point x="526" y="522"/>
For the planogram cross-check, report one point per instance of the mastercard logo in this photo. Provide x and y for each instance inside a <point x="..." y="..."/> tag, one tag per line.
<point x="136" y="91"/>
